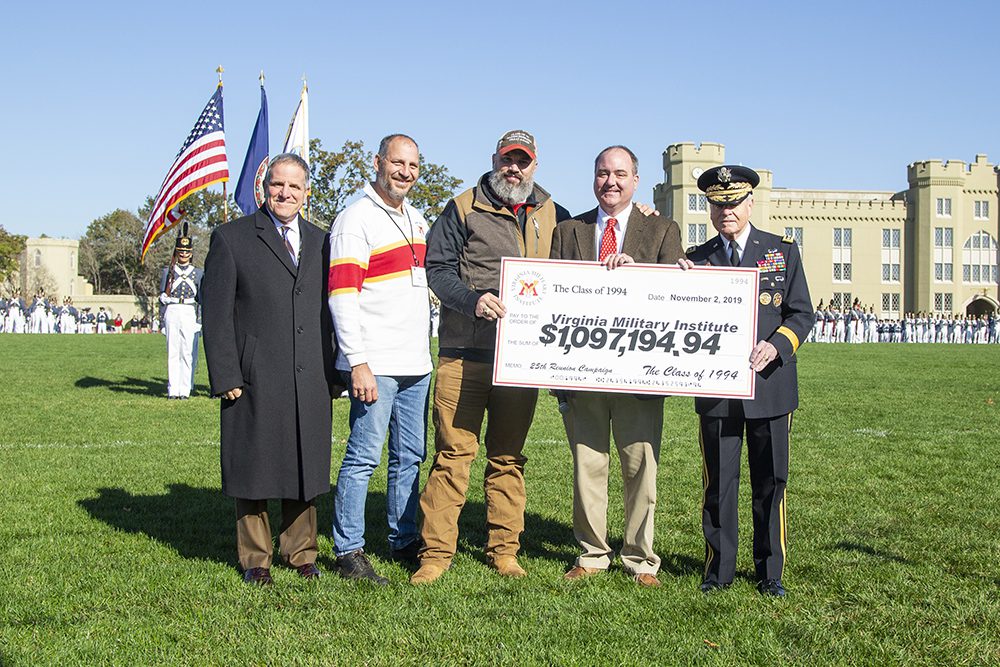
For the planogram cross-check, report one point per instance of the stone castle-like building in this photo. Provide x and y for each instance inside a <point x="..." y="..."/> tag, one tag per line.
<point x="931" y="247"/>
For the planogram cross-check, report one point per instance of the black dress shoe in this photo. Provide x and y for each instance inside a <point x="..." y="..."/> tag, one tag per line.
<point x="708" y="587"/>
<point x="308" y="571"/>
<point x="258" y="575"/>
<point x="771" y="587"/>
<point x="355" y="565"/>
<point x="409" y="553"/>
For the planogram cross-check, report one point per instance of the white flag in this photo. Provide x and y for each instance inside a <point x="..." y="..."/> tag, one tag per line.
<point x="297" y="137"/>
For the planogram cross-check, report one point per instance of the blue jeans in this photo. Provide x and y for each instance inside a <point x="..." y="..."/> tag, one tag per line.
<point x="401" y="410"/>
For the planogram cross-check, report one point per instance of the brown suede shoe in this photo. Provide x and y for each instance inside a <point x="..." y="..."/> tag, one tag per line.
<point x="509" y="567"/>
<point x="580" y="572"/>
<point x="648" y="580"/>
<point x="428" y="572"/>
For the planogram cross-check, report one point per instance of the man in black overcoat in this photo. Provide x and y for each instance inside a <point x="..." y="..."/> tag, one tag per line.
<point x="269" y="349"/>
<point x="784" y="319"/>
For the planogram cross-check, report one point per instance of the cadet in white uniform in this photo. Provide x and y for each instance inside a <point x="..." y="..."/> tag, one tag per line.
<point x="180" y="299"/>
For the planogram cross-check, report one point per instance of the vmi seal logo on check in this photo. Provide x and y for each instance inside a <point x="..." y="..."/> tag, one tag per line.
<point x="528" y="287"/>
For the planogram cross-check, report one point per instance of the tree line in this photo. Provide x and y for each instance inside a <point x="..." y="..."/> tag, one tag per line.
<point x="109" y="250"/>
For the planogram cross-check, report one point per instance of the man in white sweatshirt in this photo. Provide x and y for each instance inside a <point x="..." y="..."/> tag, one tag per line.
<point x="381" y="313"/>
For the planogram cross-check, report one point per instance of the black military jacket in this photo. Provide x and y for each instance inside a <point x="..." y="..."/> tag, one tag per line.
<point x="784" y="318"/>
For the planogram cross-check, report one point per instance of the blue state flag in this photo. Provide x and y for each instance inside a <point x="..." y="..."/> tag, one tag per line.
<point x="250" y="188"/>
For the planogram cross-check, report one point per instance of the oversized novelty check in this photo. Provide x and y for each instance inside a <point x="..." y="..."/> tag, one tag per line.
<point x="641" y="328"/>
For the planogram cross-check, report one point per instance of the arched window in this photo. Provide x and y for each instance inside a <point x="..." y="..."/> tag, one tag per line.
<point x="979" y="259"/>
<point x="38" y="259"/>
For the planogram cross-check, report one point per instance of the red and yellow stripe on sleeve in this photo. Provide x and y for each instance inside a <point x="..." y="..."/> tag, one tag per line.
<point x="346" y="275"/>
<point x="388" y="262"/>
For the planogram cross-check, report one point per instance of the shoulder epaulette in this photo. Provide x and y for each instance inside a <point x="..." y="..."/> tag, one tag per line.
<point x="787" y="239"/>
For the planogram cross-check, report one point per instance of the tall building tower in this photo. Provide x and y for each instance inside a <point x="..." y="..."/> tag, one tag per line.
<point x="951" y="236"/>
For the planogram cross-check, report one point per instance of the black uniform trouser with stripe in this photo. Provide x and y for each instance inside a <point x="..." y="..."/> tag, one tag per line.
<point x="767" y="450"/>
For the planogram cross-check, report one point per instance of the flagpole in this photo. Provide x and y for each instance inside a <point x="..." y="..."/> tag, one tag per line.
<point x="225" y="198"/>
<point x="305" y="149"/>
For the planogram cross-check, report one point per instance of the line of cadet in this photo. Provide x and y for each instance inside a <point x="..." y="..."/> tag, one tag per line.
<point x="44" y="316"/>
<point x="276" y="291"/>
<point x="858" y="324"/>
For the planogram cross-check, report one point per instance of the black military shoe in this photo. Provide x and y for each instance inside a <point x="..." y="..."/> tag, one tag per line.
<point x="709" y="587"/>
<point x="771" y="587"/>
<point x="409" y="553"/>
<point x="355" y="565"/>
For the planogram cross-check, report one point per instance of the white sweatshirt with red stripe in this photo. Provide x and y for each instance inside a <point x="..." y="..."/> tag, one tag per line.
<point x="381" y="317"/>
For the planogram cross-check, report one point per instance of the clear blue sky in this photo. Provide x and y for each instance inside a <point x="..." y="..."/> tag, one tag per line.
<point x="99" y="96"/>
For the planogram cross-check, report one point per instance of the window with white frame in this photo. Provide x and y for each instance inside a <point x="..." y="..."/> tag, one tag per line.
<point x="842" y="254"/>
<point x="697" y="234"/>
<point x="979" y="259"/>
<point x="942" y="302"/>
<point x="891" y="242"/>
<point x="981" y="210"/>
<point x="795" y="233"/>
<point x="943" y="255"/>
<point x="697" y="204"/>
<point x="944" y="207"/>
<point x="841" y="300"/>
<point x="890" y="304"/>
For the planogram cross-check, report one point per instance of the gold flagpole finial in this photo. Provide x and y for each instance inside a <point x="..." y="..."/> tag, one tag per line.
<point x="220" y="71"/>
<point x="262" y="78"/>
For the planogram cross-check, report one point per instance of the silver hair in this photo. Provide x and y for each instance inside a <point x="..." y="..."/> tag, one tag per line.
<point x="282" y="159"/>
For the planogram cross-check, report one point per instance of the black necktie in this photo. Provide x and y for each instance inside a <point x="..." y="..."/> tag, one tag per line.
<point x="734" y="256"/>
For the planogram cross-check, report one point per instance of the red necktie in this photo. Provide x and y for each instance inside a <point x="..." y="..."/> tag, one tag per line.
<point x="609" y="242"/>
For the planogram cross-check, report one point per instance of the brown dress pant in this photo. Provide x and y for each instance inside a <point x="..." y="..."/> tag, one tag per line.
<point x="463" y="392"/>
<point x="297" y="539"/>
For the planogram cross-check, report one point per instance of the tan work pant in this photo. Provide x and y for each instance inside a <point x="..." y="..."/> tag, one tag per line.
<point x="637" y="426"/>
<point x="463" y="391"/>
<point x="297" y="539"/>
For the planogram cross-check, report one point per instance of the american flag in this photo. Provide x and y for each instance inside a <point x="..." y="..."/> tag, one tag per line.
<point x="200" y="163"/>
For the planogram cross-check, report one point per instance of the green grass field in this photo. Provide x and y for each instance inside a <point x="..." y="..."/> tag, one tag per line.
<point x="119" y="548"/>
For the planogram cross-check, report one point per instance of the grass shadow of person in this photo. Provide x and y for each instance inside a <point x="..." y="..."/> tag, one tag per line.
<point x="132" y="385"/>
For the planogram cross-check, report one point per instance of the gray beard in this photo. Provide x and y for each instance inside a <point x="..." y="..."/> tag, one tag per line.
<point x="509" y="193"/>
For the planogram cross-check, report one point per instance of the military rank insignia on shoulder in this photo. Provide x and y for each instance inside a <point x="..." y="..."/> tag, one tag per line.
<point x="787" y="239"/>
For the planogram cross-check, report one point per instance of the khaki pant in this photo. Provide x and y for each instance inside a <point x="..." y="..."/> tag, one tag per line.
<point x="637" y="426"/>
<point x="463" y="391"/>
<point x="297" y="539"/>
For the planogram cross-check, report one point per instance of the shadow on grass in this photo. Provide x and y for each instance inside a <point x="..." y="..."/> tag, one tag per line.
<point x="132" y="385"/>
<point x="197" y="523"/>
<point x="844" y="545"/>
<point x="200" y="523"/>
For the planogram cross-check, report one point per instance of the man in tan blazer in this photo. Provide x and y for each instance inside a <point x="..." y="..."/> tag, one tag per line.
<point x="615" y="233"/>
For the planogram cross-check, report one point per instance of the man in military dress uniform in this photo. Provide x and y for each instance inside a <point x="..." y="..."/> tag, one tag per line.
<point x="180" y="310"/>
<point x="784" y="319"/>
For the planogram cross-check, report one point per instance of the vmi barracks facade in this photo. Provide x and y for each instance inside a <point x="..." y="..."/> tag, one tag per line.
<point x="931" y="247"/>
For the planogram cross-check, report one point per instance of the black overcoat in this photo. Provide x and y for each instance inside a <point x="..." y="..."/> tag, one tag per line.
<point x="267" y="329"/>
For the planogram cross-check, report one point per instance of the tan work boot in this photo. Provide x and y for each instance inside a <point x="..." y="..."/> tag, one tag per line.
<point x="428" y="573"/>
<point x="580" y="572"/>
<point x="508" y="567"/>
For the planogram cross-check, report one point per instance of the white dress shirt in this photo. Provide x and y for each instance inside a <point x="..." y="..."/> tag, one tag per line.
<point x="602" y="222"/>
<point x="740" y="241"/>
